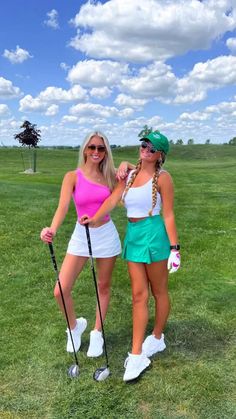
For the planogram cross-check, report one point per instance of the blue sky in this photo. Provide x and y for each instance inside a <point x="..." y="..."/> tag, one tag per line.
<point x="72" y="67"/>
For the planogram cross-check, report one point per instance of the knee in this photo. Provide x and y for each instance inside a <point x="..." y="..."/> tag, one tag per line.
<point x="160" y="294"/>
<point x="57" y="292"/>
<point x="104" y="287"/>
<point x="140" y="297"/>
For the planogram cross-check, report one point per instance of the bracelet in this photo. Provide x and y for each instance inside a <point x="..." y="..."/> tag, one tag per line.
<point x="175" y="247"/>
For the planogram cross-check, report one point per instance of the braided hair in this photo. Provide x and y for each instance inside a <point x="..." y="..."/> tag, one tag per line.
<point x="155" y="187"/>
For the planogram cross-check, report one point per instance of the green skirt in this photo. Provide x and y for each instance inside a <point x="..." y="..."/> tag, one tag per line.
<point x="146" y="241"/>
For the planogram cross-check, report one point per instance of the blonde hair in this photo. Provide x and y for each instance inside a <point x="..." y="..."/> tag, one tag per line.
<point x="107" y="165"/>
<point x="155" y="177"/>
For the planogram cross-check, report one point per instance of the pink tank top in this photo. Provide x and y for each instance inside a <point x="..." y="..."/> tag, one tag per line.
<point x="89" y="196"/>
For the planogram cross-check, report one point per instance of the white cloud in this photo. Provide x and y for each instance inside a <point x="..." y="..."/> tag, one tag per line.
<point x="157" y="82"/>
<point x="69" y="118"/>
<point x="125" y="100"/>
<point x="18" y="56"/>
<point x="224" y="108"/>
<point x="92" y="109"/>
<point x="7" y="90"/>
<point x="100" y="92"/>
<point x="4" y="110"/>
<point x="49" y="95"/>
<point x="64" y="66"/>
<point x="97" y="73"/>
<point x="58" y="94"/>
<point x="231" y="44"/>
<point x="212" y="74"/>
<point x="153" y="81"/>
<point x="194" y="116"/>
<point x="52" y="20"/>
<point x="97" y="110"/>
<point x="52" y="110"/>
<point x="147" y="30"/>
<point x="220" y="71"/>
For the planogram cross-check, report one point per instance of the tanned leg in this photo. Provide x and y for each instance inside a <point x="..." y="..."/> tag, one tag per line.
<point x="158" y="277"/>
<point x="71" y="268"/>
<point x="104" y="268"/>
<point x="139" y="284"/>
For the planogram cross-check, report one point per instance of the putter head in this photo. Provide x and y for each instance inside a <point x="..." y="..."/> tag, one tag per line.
<point x="101" y="374"/>
<point x="73" y="371"/>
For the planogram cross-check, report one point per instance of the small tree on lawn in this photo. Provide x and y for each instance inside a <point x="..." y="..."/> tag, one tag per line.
<point x="179" y="142"/>
<point x="29" y="137"/>
<point x="190" y="141"/>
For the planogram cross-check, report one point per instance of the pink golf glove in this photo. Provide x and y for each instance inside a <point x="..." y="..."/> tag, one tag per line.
<point x="173" y="262"/>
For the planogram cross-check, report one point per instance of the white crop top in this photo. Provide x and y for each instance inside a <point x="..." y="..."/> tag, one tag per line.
<point x="138" y="200"/>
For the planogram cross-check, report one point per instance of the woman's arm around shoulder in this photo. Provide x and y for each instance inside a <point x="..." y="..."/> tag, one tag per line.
<point x="107" y="206"/>
<point x="124" y="169"/>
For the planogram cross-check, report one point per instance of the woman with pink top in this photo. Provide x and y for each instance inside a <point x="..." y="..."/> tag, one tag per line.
<point x="89" y="185"/>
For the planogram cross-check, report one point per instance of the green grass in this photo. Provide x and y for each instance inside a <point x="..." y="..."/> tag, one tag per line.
<point x="195" y="377"/>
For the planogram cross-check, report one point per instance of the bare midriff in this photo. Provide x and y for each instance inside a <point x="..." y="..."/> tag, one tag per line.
<point x="135" y="220"/>
<point x="100" y="223"/>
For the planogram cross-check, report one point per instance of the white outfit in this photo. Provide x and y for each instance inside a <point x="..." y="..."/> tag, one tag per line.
<point x="105" y="241"/>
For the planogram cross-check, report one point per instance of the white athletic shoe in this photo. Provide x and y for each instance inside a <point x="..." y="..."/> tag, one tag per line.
<point x="76" y="335"/>
<point x="134" y="365"/>
<point x="152" y="345"/>
<point x="96" y="344"/>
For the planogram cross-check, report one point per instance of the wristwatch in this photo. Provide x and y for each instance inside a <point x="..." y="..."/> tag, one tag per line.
<point x="175" y="247"/>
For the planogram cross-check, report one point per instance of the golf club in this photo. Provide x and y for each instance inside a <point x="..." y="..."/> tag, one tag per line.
<point x="73" y="371"/>
<point x="101" y="373"/>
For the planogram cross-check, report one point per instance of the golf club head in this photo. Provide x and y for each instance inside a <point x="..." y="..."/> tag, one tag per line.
<point x="101" y="374"/>
<point x="73" y="371"/>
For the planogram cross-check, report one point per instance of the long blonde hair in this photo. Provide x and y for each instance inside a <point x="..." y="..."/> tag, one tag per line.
<point x="155" y="177"/>
<point x="106" y="166"/>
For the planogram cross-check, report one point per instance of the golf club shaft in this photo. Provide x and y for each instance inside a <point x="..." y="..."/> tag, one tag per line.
<point x="62" y="297"/>
<point x="96" y="289"/>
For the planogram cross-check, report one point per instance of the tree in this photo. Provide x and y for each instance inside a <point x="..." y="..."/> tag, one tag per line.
<point x="179" y="142"/>
<point x="29" y="137"/>
<point x="208" y="141"/>
<point x="145" y="131"/>
<point x="232" y="141"/>
<point x="190" y="141"/>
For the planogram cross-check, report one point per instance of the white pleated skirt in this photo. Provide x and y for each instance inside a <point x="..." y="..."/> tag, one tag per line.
<point x="105" y="241"/>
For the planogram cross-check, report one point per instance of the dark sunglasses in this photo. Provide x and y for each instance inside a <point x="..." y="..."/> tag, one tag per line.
<point x="144" y="144"/>
<point x="94" y="147"/>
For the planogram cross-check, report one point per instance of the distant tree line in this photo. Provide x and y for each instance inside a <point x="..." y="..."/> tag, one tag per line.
<point x="146" y="130"/>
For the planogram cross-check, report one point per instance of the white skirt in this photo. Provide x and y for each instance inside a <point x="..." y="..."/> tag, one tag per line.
<point x="105" y="241"/>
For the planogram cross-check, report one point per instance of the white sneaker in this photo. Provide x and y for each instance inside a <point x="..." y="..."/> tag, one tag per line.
<point x="152" y="345"/>
<point x="76" y="335"/>
<point x="96" y="344"/>
<point x="134" y="365"/>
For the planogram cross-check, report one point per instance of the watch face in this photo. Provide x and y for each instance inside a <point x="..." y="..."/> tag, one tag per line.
<point x="175" y="247"/>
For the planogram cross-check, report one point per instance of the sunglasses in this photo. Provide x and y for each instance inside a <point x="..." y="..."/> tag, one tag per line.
<point x="144" y="144"/>
<point x="99" y="148"/>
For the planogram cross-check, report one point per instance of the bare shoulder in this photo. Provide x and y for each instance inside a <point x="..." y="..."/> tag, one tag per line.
<point x="165" y="178"/>
<point x="70" y="177"/>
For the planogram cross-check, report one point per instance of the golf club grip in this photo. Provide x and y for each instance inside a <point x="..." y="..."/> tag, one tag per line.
<point x="50" y="245"/>
<point x="88" y="239"/>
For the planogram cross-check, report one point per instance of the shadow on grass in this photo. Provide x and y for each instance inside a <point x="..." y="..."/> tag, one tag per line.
<point x="196" y="336"/>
